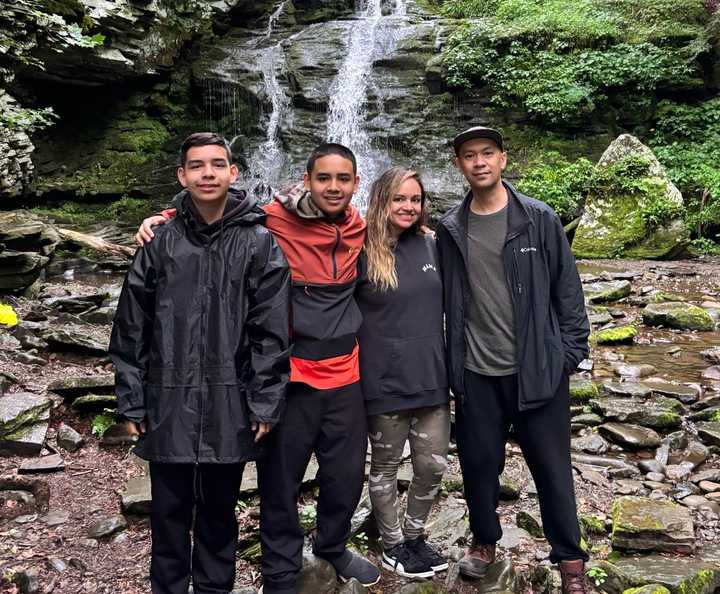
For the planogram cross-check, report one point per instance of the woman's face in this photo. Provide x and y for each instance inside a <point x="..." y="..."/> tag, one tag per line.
<point x="406" y="206"/>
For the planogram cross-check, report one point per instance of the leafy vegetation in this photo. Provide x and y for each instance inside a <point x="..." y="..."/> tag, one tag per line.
<point x="563" y="60"/>
<point x="101" y="423"/>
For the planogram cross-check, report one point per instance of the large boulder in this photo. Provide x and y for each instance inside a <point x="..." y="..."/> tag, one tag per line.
<point x="614" y="224"/>
<point x="26" y="242"/>
<point x="677" y="314"/>
<point x="656" y="413"/>
<point x="642" y="524"/>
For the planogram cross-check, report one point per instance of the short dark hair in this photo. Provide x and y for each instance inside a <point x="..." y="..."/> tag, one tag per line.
<point x="204" y="139"/>
<point x="331" y="148"/>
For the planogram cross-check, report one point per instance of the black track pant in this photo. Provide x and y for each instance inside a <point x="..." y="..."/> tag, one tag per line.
<point x="211" y="490"/>
<point x="483" y="419"/>
<point x="332" y="424"/>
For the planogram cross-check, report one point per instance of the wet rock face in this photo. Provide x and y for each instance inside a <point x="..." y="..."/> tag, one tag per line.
<point x="612" y="223"/>
<point x="16" y="148"/>
<point x="642" y="524"/>
<point x="26" y="242"/>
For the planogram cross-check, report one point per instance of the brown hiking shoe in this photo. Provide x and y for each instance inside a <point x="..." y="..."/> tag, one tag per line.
<point x="478" y="557"/>
<point x="573" y="577"/>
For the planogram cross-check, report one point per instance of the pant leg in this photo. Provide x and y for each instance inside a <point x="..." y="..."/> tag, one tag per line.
<point x="216" y="531"/>
<point x="340" y="450"/>
<point x="429" y="442"/>
<point x="280" y="475"/>
<point x="482" y="423"/>
<point x="170" y="523"/>
<point x="388" y="434"/>
<point x="544" y="437"/>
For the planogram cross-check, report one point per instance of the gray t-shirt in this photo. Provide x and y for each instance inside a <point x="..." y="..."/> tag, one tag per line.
<point x="489" y="326"/>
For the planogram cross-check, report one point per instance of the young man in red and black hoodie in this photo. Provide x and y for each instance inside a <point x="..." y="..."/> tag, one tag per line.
<point x="322" y="235"/>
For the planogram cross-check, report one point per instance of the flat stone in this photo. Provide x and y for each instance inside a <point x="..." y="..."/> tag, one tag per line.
<point x="582" y="390"/>
<point x="627" y="370"/>
<point x="69" y="439"/>
<point x="709" y="432"/>
<point x="628" y="487"/>
<point x="656" y="413"/>
<point x="352" y="586"/>
<point x="592" y="444"/>
<point x="75" y="303"/>
<point x="448" y="525"/>
<point x="587" y="419"/>
<point x="708" y="414"/>
<point x="107" y="526"/>
<point x="52" y="463"/>
<point x="631" y="389"/>
<point x="136" y="497"/>
<point x="684" y="394"/>
<point x="648" y="466"/>
<point x="680" y="315"/>
<point x="514" y="538"/>
<point x="68" y="339"/>
<point x="603" y="292"/>
<point x="611" y="336"/>
<point x="642" y="524"/>
<point x="630" y="436"/>
<point x="94" y="403"/>
<point x="604" y="462"/>
<point x="26" y="441"/>
<point x="694" y="453"/>
<point x="101" y="315"/>
<point x="711" y="373"/>
<point x="708" y="474"/>
<point x="677" y="574"/>
<point x="500" y="577"/>
<point x="712" y="355"/>
<point x="678" y="472"/>
<point x="19" y="410"/>
<point x="73" y="387"/>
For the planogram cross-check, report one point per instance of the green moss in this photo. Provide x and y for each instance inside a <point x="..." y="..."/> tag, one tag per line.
<point x="703" y="582"/>
<point x="582" y="391"/>
<point x="628" y="517"/>
<point x="592" y="524"/>
<point x="663" y="297"/>
<point x="649" y="589"/>
<point x="683" y="316"/>
<point x="18" y="425"/>
<point x="619" y="335"/>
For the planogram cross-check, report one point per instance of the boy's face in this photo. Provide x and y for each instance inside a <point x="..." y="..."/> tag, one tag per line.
<point x="207" y="173"/>
<point x="482" y="162"/>
<point x="332" y="183"/>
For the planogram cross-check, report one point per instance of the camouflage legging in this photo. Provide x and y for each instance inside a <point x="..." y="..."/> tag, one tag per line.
<point x="428" y="430"/>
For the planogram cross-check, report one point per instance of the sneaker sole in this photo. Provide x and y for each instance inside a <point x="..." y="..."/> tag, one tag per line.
<point x="400" y="570"/>
<point x="343" y="579"/>
<point x="472" y="574"/>
<point x="442" y="567"/>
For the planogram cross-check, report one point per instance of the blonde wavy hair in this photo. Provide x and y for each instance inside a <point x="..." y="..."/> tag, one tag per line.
<point x="379" y="241"/>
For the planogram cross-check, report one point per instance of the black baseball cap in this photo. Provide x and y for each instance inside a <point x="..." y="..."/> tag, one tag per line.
<point x="477" y="132"/>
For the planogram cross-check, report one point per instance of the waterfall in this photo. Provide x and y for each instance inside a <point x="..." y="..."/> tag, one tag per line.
<point x="266" y="163"/>
<point x="346" y="121"/>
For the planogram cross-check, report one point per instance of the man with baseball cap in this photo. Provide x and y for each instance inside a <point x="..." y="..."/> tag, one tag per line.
<point x="516" y="329"/>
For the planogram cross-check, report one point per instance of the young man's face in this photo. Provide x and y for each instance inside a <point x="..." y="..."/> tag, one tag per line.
<point x="332" y="183"/>
<point x="482" y="162"/>
<point x="207" y="173"/>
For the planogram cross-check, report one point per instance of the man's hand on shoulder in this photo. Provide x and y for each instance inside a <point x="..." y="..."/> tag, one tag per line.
<point x="145" y="233"/>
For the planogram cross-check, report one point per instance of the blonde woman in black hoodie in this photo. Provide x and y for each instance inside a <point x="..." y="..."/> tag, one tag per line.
<point x="402" y="366"/>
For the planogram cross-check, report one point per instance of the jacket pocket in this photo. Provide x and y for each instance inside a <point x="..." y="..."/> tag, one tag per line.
<point x="555" y="366"/>
<point x="415" y="365"/>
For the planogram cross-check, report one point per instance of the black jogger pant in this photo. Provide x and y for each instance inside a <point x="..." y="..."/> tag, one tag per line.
<point x="211" y="490"/>
<point x="483" y="419"/>
<point x="331" y="424"/>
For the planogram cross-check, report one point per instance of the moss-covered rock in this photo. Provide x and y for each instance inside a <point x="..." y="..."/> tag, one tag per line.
<point x="683" y="316"/>
<point x="642" y="524"/>
<point x="649" y="589"/>
<point x="630" y="212"/>
<point x="582" y="390"/>
<point x="605" y="291"/>
<point x="592" y="524"/>
<point x="619" y="335"/>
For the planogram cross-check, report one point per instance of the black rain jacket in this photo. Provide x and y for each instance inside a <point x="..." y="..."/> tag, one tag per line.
<point x="200" y="342"/>
<point x="551" y="326"/>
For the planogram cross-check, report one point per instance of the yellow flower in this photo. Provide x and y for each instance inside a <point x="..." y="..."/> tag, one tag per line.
<point x="8" y="317"/>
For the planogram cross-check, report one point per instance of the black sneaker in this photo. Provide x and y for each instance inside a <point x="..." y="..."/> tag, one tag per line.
<point x="427" y="554"/>
<point x="351" y="565"/>
<point x="405" y="563"/>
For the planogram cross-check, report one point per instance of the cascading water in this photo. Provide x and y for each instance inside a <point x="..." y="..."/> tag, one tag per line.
<point x="266" y="162"/>
<point x="346" y="108"/>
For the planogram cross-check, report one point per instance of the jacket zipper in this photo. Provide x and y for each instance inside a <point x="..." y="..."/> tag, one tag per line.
<point x="516" y="273"/>
<point x="203" y="310"/>
<point x="334" y="251"/>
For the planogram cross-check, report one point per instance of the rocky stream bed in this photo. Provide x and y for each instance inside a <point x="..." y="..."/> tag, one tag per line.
<point x="646" y="451"/>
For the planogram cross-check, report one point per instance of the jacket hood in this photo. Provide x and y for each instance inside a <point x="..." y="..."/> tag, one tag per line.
<point x="241" y="209"/>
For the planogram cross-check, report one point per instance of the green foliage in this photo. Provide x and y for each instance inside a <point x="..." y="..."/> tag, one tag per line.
<point x="75" y="33"/>
<point x="558" y="182"/>
<point x="562" y="60"/>
<point x="360" y="543"/>
<point x="102" y="422"/>
<point x="597" y="574"/>
<point x="28" y="120"/>
<point x="308" y="516"/>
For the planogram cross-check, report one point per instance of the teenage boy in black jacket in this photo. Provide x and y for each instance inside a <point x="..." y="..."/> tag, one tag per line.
<point x="201" y="351"/>
<point x="516" y="328"/>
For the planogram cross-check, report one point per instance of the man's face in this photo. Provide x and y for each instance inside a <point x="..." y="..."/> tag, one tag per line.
<point x="207" y="173"/>
<point x="482" y="162"/>
<point x="332" y="183"/>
